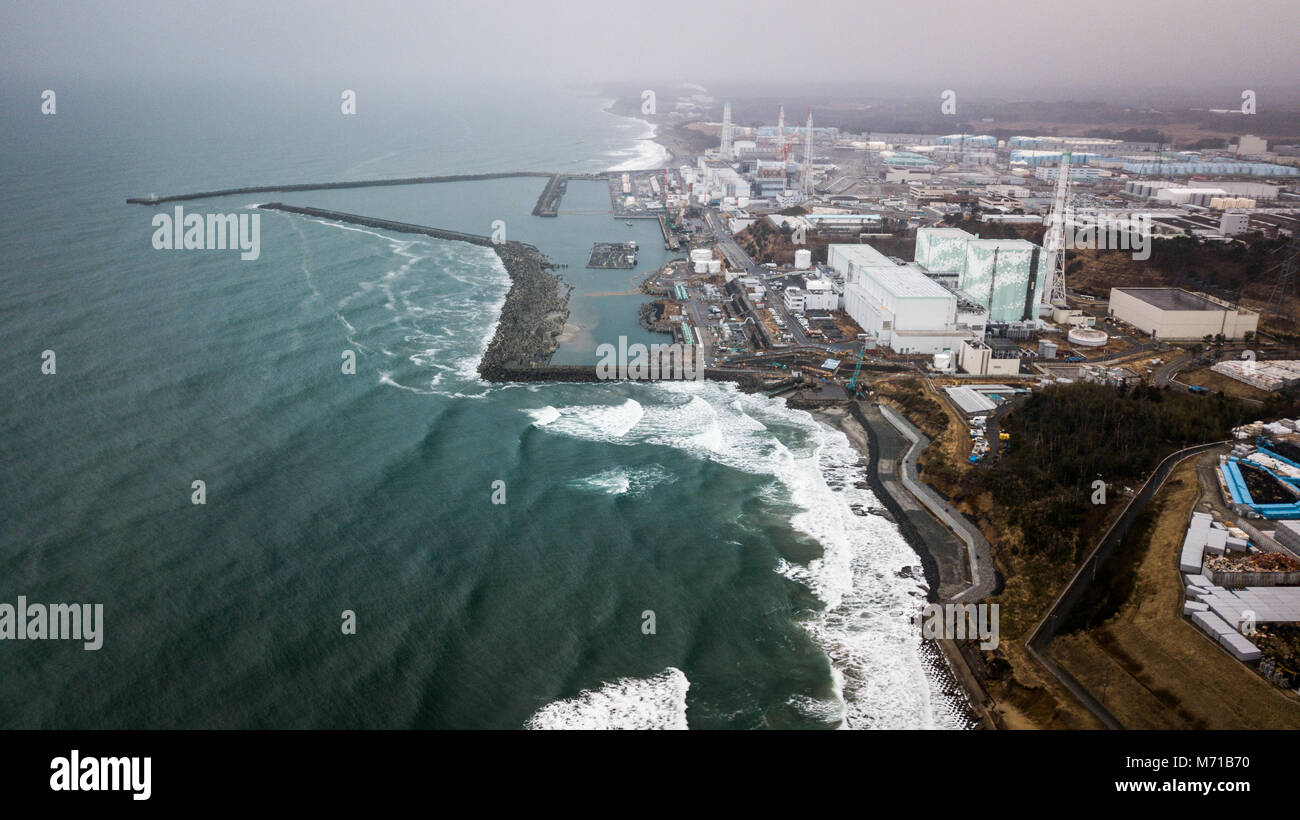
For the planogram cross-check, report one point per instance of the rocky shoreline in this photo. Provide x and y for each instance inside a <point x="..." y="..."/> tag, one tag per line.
<point x="533" y="316"/>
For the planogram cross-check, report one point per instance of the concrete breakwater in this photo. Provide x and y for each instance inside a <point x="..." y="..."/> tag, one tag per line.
<point x="548" y="203"/>
<point x="535" y="309"/>
<point x="749" y="382"/>
<point x="325" y="186"/>
<point x="388" y="224"/>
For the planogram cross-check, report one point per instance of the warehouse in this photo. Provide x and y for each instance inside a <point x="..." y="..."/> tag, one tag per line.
<point x="1174" y="313"/>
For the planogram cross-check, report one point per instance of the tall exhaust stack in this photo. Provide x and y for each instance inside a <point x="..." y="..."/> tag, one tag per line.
<point x="808" y="157"/>
<point x="725" y="149"/>
<point x="780" y="131"/>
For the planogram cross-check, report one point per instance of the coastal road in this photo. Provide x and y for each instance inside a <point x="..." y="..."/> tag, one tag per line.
<point x="978" y="552"/>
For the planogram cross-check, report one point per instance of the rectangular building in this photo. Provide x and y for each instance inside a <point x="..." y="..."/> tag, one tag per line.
<point x="941" y="250"/>
<point x="1174" y="313"/>
<point x="1005" y="276"/>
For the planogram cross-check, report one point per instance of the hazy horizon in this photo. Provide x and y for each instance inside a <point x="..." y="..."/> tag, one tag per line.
<point x="1191" y="53"/>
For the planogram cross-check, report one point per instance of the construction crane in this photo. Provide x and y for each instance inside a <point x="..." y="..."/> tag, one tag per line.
<point x="668" y="215"/>
<point x="1054" y="242"/>
<point x="853" y="382"/>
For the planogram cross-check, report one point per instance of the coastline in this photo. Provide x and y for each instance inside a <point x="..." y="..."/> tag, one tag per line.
<point x="954" y="673"/>
<point x="662" y="146"/>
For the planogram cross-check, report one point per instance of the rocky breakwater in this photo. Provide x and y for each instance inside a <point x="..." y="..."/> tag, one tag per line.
<point x="532" y="317"/>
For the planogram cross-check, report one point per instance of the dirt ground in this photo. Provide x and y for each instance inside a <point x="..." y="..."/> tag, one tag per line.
<point x="1219" y="383"/>
<point x="1151" y="668"/>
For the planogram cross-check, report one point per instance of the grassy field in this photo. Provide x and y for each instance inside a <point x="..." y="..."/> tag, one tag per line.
<point x="1154" y="670"/>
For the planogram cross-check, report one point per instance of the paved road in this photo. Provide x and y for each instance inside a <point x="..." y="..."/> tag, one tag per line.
<point x="978" y="553"/>
<point x="1167" y="371"/>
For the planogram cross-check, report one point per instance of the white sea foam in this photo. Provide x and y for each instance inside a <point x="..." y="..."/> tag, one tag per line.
<point x="544" y="416"/>
<point x="645" y="153"/>
<point x="441" y="312"/>
<point x="630" y="481"/>
<point x="657" y="702"/>
<point x="593" y="422"/>
<point x="867" y="575"/>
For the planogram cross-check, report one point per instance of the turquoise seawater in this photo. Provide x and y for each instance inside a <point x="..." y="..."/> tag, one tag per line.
<point x="727" y="516"/>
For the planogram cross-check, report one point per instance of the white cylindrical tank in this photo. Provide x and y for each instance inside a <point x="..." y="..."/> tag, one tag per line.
<point x="1087" y="337"/>
<point x="803" y="259"/>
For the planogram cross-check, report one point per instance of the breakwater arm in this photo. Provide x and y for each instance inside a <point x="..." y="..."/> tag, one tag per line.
<point x="548" y="203"/>
<point x="325" y="186"/>
<point x="385" y="224"/>
<point x="535" y="309"/>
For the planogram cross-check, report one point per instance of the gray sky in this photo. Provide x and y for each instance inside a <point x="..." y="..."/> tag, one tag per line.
<point x="1086" y="44"/>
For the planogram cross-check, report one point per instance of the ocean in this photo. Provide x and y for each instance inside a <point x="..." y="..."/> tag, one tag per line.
<point x="735" y="527"/>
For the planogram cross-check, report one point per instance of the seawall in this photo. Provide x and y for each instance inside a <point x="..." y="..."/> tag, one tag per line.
<point x="325" y="186"/>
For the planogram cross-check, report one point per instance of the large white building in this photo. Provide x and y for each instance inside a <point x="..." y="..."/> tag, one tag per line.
<point x="813" y="293"/>
<point x="904" y="309"/>
<point x="719" y="180"/>
<point x="1174" y="313"/>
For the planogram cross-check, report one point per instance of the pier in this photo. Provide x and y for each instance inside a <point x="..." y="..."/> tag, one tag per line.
<point x="548" y="203"/>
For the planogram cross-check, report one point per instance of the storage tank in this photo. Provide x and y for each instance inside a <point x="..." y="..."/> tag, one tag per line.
<point x="1047" y="349"/>
<point x="1087" y="337"/>
<point x="803" y="259"/>
<point x="715" y="266"/>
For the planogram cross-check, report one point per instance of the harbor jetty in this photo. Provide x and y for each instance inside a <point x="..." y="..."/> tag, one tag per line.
<point x="548" y="203"/>
<point x="535" y="309"/>
<point x="327" y="186"/>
